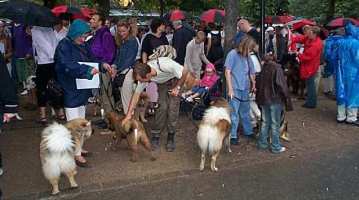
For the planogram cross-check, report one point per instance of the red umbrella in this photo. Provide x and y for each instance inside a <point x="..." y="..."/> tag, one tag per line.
<point x="76" y="13"/>
<point x="278" y="19"/>
<point x="341" y="21"/>
<point x="176" y="15"/>
<point x="298" y="24"/>
<point x="213" y="15"/>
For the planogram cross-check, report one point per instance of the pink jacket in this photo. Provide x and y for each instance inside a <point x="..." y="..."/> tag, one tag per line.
<point x="208" y="81"/>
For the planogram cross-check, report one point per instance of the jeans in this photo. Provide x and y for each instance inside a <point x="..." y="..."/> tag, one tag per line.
<point x="348" y="114"/>
<point x="270" y="121"/>
<point x="311" y="100"/>
<point x="240" y="111"/>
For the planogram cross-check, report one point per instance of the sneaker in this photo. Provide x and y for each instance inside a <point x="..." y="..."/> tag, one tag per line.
<point x="1" y="171"/>
<point x="25" y="92"/>
<point x="354" y="123"/>
<point x="281" y="150"/>
<point x="234" y="141"/>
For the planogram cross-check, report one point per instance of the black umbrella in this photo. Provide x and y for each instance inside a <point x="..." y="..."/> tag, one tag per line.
<point x="27" y="13"/>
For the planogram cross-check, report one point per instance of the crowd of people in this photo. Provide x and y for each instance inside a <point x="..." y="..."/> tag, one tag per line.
<point x="133" y="62"/>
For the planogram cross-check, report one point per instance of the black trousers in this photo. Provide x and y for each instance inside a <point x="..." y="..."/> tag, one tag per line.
<point x="44" y="73"/>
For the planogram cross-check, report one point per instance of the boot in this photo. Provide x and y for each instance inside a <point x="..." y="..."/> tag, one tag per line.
<point x="155" y="141"/>
<point x="171" y="146"/>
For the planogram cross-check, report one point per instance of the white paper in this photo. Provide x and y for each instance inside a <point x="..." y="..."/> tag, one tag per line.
<point x="88" y="84"/>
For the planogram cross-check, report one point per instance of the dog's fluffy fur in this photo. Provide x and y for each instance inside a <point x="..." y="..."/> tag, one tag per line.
<point x="190" y="81"/>
<point x="133" y="131"/>
<point x="213" y="131"/>
<point x="140" y="111"/>
<point x="57" y="150"/>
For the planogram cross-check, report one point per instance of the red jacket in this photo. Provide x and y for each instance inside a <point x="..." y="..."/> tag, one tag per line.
<point x="310" y="59"/>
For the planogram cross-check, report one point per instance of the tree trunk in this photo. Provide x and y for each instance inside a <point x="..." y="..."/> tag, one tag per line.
<point x="230" y="23"/>
<point x="103" y="7"/>
<point x="331" y="10"/>
<point x="49" y="3"/>
<point x="162" y="7"/>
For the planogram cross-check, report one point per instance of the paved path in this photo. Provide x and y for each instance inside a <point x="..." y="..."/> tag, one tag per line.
<point x="314" y="134"/>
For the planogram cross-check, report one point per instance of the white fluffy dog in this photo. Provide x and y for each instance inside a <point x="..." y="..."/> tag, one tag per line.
<point x="213" y="130"/>
<point x="57" y="151"/>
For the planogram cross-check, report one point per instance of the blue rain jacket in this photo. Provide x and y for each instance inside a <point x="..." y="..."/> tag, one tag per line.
<point x="342" y="55"/>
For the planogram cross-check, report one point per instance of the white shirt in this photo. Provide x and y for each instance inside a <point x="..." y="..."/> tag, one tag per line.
<point x="167" y="70"/>
<point x="61" y="34"/>
<point x="44" y="43"/>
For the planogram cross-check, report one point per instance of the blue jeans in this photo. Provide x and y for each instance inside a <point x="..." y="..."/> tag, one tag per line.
<point x="240" y="111"/>
<point x="311" y="100"/>
<point x="270" y="121"/>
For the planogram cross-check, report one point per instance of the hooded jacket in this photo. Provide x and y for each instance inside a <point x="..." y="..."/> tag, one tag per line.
<point x="310" y="59"/>
<point x="272" y="86"/>
<point x="103" y="45"/>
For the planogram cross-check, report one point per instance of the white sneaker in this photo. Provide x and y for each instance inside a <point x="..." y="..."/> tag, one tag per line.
<point x="1" y="171"/>
<point x="25" y="92"/>
<point x="281" y="150"/>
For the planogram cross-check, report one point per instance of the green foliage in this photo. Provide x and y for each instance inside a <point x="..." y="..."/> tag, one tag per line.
<point x="318" y="9"/>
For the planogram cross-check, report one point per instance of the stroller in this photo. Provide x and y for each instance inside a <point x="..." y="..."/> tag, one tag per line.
<point x="195" y="109"/>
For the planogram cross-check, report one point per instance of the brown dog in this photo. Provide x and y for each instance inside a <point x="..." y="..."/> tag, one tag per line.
<point x="190" y="81"/>
<point x="133" y="131"/>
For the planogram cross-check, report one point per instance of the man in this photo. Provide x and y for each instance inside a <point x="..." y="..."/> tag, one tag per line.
<point x="103" y="48"/>
<point x="244" y="27"/>
<point x="195" y="54"/>
<point x="181" y="36"/>
<point x="169" y="76"/>
<point x="309" y="64"/>
<point x="342" y="56"/>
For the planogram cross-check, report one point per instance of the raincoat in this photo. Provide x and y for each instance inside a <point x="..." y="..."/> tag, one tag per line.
<point x="343" y="54"/>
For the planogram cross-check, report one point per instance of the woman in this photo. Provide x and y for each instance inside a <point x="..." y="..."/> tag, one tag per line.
<point x="272" y="95"/>
<point x="240" y="77"/>
<point x="125" y="59"/>
<point x="70" y="51"/>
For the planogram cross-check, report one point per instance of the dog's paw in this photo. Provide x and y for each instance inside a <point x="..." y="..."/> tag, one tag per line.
<point x="74" y="186"/>
<point x="55" y="192"/>
<point x="201" y="168"/>
<point x="214" y="169"/>
<point x="229" y="150"/>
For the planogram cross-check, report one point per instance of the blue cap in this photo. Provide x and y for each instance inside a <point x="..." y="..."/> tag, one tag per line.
<point x="77" y="28"/>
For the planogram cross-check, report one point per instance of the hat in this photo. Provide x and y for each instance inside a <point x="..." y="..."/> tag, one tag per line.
<point x="210" y="66"/>
<point x="78" y="28"/>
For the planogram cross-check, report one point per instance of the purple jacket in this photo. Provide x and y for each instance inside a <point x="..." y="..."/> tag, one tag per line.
<point x="103" y="45"/>
<point x="22" y="43"/>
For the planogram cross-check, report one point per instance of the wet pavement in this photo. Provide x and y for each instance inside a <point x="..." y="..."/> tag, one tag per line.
<point x="321" y="163"/>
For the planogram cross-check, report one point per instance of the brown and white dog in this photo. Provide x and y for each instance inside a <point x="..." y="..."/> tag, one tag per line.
<point x="133" y="131"/>
<point x="213" y="131"/>
<point x="57" y="150"/>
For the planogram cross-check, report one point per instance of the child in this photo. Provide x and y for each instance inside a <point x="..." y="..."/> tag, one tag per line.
<point x="209" y="79"/>
<point x="272" y="95"/>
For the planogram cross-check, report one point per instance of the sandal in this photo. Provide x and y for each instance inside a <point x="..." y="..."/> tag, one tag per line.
<point x="61" y="117"/>
<point x="86" y="154"/>
<point x="42" y="120"/>
<point x="82" y="164"/>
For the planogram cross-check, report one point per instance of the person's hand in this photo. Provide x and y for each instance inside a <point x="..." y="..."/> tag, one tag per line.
<point x="113" y="72"/>
<point x="230" y="93"/>
<point x="107" y="67"/>
<point x="126" y="120"/>
<point x="175" y="92"/>
<point x="94" y="71"/>
<point x="253" y="89"/>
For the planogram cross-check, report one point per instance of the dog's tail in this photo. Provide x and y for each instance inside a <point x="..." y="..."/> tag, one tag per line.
<point x="208" y="139"/>
<point x="57" y="139"/>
